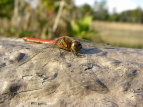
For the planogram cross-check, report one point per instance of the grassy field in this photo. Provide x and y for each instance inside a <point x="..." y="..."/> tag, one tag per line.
<point x="120" y="34"/>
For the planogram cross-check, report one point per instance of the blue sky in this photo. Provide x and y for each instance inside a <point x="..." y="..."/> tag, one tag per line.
<point x="120" y="5"/>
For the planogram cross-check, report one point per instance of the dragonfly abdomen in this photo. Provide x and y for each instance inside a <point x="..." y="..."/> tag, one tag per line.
<point x="37" y="40"/>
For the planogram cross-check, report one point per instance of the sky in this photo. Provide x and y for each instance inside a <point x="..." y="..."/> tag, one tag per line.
<point x="120" y="5"/>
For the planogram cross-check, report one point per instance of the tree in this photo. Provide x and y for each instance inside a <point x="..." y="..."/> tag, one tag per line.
<point x="86" y="10"/>
<point x="114" y="16"/>
<point x="100" y="10"/>
<point x="135" y="15"/>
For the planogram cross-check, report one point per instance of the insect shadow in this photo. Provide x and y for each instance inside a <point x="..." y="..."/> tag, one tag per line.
<point x="89" y="51"/>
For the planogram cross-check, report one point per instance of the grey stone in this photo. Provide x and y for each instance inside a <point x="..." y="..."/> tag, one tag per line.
<point x="41" y="75"/>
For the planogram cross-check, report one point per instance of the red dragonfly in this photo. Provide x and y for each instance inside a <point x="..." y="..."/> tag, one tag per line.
<point x="64" y="42"/>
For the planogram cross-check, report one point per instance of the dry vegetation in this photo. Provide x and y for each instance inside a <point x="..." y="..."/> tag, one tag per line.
<point x="120" y="34"/>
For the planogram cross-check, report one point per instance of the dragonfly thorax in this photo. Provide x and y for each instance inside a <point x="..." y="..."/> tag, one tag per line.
<point x="76" y="46"/>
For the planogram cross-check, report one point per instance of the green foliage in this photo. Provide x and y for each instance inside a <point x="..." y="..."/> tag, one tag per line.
<point x="114" y="17"/>
<point x="86" y="9"/>
<point x="81" y="27"/>
<point x="24" y="33"/>
<point x="50" y="4"/>
<point x="132" y="16"/>
<point x="6" y="7"/>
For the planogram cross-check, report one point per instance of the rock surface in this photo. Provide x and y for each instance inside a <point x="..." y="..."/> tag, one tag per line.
<point x="38" y="75"/>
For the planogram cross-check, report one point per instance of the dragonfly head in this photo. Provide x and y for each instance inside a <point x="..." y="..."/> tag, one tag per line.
<point x="76" y="46"/>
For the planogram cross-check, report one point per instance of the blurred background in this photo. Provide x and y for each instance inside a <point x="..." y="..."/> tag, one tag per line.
<point x="116" y="22"/>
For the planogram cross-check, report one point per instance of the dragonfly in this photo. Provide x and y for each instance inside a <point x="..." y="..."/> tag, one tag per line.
<point x="63" y="42"/>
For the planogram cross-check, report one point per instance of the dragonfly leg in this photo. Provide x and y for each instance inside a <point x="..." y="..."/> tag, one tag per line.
<point x="61" y="53"/>
<point x="78" y="54"/>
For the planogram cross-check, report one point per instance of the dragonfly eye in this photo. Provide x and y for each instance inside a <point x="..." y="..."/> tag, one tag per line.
<point x="76" y="46"/>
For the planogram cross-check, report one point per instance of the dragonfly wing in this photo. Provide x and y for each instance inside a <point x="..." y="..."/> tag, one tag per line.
<point x="34" y="68"/>
<point x="79" y="70"/>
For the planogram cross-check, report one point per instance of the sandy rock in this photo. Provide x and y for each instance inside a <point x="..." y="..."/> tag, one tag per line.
<point x="40" y="75"/>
